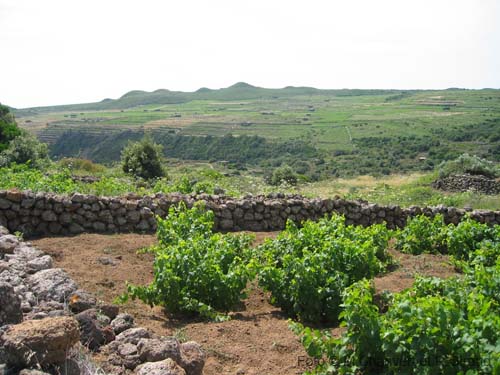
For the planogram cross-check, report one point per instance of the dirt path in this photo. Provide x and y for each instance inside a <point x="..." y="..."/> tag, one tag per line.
<point x="257" y="341"/>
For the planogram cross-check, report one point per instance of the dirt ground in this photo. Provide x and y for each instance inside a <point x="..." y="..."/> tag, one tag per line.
<point x="407" y="266"/>
<point x="257" y="341"/>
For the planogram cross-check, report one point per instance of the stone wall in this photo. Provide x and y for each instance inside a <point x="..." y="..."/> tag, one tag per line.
<point x="462" y="183"/>
<point x="50" y="214"/>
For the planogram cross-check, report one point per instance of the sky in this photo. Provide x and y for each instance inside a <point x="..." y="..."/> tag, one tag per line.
<point x="74" y="51"/>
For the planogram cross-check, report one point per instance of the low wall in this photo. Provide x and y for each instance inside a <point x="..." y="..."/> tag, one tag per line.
<point x="461" y="183"/>
<point x="50" y="214"/>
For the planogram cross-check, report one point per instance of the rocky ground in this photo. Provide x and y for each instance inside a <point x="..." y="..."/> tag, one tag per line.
<point x="50" y="326"/>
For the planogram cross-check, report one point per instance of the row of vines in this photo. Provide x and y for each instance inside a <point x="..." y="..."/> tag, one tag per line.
<point x="322" y="273"/>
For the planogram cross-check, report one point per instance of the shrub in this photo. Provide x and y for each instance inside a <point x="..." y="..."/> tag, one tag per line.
<point x="471" y="165"/>
<point x="84" y="165"/>
<point x="422" y="234"/>
<point x="8" y="127"/>
<point x="24" y="177"/>
<point x="25" y="149"/>
<point x="195" y="270"/>
<point x="465" y="241"/>
<point x="307" y="269"/>
<point x="142" y="159"/>
<point x="283" y="174"/>
<point x="206" y="187"/>
<point x="468" y="236"/>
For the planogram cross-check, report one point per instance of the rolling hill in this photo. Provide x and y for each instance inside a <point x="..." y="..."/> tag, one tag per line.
<point x="238" y="91"/>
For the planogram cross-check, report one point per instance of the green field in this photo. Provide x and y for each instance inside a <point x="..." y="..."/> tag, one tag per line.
<point x="352" y="131"/>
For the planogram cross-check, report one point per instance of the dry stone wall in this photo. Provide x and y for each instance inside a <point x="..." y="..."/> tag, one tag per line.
<point x="462" y="183"/>
<point x="40" y="214"/>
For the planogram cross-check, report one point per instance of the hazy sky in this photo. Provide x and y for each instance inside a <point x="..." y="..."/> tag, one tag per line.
<point x="71" y="51"/>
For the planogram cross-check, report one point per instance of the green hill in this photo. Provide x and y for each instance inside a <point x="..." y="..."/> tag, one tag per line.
<point x="238" y="91"/>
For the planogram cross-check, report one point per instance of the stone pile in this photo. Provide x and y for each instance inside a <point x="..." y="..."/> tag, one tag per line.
<point x="44" y="317"/>
<point x="463" y="183"/>
<point x="43" y="214"/>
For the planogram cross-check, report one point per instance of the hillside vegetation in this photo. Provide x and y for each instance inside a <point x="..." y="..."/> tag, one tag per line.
<point x="319" y="133"/>
<point x="8" y="127"/>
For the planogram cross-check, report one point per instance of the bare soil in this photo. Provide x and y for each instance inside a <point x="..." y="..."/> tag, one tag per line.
<point x="408" y="266"/>
<point x="256" y="341"/>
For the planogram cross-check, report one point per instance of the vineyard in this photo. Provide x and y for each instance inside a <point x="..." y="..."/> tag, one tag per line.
<point x="321" y="274"/>
<point x="315" y="298"/>
<point x="250" y="188"/>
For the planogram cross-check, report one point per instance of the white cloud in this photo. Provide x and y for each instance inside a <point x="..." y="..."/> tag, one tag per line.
<point x="59" y="51"/>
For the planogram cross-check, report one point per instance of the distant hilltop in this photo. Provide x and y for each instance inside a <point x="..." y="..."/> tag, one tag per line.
<point x="238" y="91"/>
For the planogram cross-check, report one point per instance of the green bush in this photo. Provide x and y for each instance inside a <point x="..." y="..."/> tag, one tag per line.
<point x="81" y="165"/>
<point x="8" y="127"/>
<point x="437" y="327"/>
<point x="468" y="236"/>
<point x="307" y="269"/>
<point x="422" y="234"/>
<point x="142" y="159"/>
<point x="430" y="235"/>
<point x="25" y="149"/>
<point x="24" y="177"/>
<point x="195" y="270"/>
<point x="470" y="165"/>
<point x="283" y="174"/>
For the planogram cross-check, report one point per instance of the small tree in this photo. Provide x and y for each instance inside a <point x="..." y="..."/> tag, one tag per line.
<point x="142" y="159"/>
<point x="25" y="149"/>
<point x="283" y="174"/>
<point x="8" y="127"/>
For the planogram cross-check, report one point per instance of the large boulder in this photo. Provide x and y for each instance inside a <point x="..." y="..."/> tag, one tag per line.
<point x="192" y="358"/>
<point x="166" y="367"/>
<point x="8" y="243"/>
<point x="10" y="306"/>
<point x="39" y="342"/>
<point x="38" y="264"/>
<point x="123" y="351"/>
<point x="122" y="322"/>
<point x="93" y="333"/>
<point x="81" y="301"/>
<point x="52" y="284"/>
<point x="111" y="311"/>
<point x="122" y="354"/>
<point x="132" y="336"/>
<point x="154" y="350"/>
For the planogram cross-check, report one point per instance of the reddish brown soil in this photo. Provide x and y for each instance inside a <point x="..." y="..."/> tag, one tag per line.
<point x="407" y="266"/>
<point x="257" y="341"/>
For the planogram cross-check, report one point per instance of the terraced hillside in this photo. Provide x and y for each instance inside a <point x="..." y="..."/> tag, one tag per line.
<point x="338" y="132"/>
